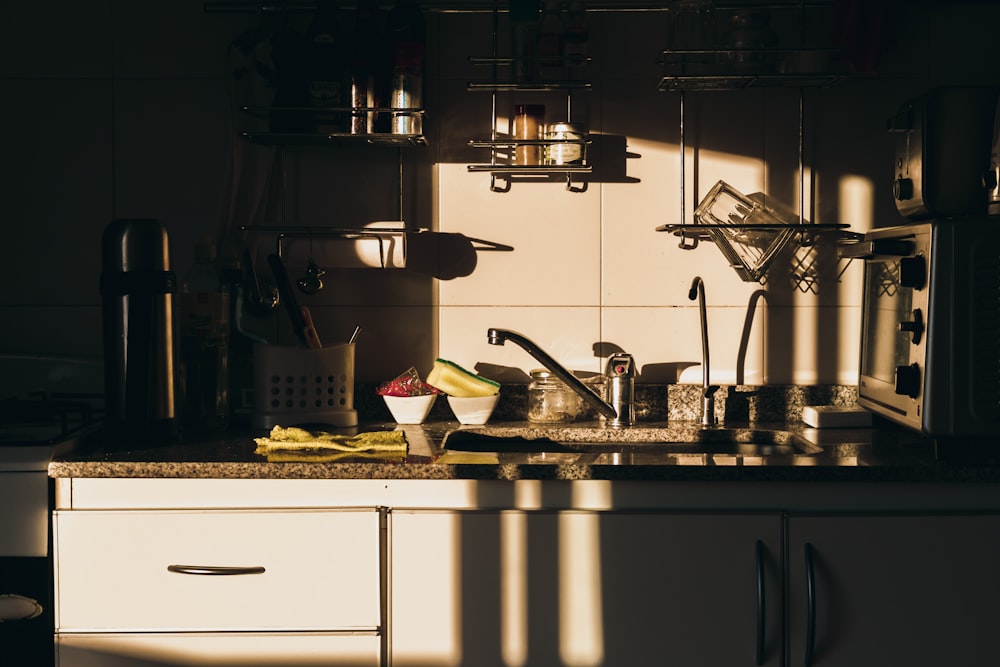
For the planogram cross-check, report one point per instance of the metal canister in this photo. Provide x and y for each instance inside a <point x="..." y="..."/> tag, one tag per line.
<point x="569" y="143"/>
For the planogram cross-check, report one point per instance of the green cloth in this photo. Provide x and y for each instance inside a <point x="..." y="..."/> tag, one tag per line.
<point x="293" y="438"/>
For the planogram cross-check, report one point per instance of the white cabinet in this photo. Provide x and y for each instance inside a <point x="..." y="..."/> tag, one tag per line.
<point x="584" y="588"/>
<point x="894" y="590"/>
<point x="208" y="587"/>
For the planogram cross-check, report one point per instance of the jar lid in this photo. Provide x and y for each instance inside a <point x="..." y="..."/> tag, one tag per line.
<point x="541" y="373"/>
<point x="573" y="128"/>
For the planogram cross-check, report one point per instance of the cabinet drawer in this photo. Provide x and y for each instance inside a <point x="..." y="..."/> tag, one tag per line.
<point x="217" y="570"/>
<point x="215" y="649"/>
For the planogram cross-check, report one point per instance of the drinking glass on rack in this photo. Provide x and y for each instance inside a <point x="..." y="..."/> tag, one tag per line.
<point x="691" y="37"/>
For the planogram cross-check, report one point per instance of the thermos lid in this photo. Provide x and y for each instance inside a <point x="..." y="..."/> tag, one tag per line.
<point x="136" y="244"/>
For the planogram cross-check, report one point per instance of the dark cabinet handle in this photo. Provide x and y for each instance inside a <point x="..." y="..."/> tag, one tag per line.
<point x="810" y="605"/>
<point x="761" y="608"/>
<point x="216" y="570"/>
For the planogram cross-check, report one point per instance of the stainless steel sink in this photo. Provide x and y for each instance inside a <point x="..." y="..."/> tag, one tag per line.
<point x="691" y="443"/>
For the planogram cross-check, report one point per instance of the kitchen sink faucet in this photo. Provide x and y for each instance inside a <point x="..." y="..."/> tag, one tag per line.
<point x="697" y="291"/>
<point x="619" y="375"/>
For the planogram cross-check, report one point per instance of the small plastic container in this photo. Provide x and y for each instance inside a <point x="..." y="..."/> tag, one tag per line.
<point x="550" y="400"/>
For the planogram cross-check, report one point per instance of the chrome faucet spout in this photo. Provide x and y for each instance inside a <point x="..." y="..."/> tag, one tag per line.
<point x="617" y="416"/>
<point x="697" y="291"/>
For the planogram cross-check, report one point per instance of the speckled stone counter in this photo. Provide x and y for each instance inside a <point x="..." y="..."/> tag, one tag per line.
<point x="880" y="454"/>
<point x="509" y="448"/>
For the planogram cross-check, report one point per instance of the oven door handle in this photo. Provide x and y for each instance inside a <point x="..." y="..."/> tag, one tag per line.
<point x="216" y="570"/>
<point x="18" y="608"/>
<point x="873" y="248"/>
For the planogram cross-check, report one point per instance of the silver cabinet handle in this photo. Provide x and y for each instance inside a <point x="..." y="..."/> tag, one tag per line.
<point x="810" y="605"/>
<point x="761" y="609"/>
<point x="216" y="570"/>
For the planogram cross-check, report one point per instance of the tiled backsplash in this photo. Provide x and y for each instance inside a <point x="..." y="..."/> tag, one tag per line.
<point x="114" y="119"/>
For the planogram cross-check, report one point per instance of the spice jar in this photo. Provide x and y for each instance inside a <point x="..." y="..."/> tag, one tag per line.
<point x="569" y="143"/>
<point x="527" y="124"/>
<point x="551" y="400"/>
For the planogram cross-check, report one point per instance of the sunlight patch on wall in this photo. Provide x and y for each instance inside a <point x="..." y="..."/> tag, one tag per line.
<point x="744" y="173"/>
<point x="857" y="197"/>
<point x="581" y="623"/>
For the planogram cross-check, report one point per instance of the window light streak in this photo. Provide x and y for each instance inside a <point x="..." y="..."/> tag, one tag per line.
<point x="514" y="588"/>
<point x="581" y="622"/>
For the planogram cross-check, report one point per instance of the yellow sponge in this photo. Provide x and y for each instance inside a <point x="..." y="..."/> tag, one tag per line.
<point x="454" y="380"/>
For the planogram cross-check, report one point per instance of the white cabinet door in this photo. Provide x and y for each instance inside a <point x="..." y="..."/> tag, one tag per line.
<point x="581" y="588"/>
<point x="894" y="590"/>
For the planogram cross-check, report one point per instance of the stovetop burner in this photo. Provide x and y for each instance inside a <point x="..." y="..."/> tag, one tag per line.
<point x="48" y="418"/>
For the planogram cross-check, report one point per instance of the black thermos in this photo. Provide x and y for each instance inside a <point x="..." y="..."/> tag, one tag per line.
<point x="137" y="291"/>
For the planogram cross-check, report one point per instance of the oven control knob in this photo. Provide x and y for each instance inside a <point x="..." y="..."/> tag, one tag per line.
<point x="908" y="380"/>
<point x="902" y="189"/>
<point x="913" y="272"/>
<point x="914" y="326"/>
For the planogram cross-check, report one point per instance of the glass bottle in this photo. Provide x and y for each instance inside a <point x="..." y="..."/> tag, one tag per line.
<point x="576" y="41"/>
<point x="204" y="358"/>
<point x="550" y="43"/>
<point x="524" y="17"/>
<point x="406" y="32"/>
<point x="367" y="73"/>
<point x="528" y="123"/>
<point x="326" y="68"/>
<point x="692" y="36"/>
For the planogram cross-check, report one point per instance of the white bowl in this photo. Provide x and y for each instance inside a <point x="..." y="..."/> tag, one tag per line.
<point x="410" y="409"/>
<point x="473" y="410"/>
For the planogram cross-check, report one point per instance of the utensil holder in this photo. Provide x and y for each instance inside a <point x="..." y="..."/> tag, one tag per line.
<point x="295" y="385"/>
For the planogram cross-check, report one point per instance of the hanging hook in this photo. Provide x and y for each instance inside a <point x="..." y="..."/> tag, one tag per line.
<point x="496" y="188"/>
<point x="572" y="188"/>
<point x="312" y="282"/>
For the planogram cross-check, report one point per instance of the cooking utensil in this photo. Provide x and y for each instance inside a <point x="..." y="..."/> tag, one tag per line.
<point x="309" y="330"/>
<point x="312" y="281"/>
<point x="287" y="296"/>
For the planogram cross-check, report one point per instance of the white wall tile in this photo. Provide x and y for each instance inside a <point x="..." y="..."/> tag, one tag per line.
<point x="812" y="345"/>
<point x="555" y="236"/>
<point x="391" y="340"/>
<point x="175" y="38"/>
<point x="56" y="40"/>
<point x="57" y="190"/>
<point x="666" y="342"/>
<point x="567" y="334"/>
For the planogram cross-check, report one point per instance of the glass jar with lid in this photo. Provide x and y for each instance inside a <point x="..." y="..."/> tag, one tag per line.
<point x="550" y="400"/>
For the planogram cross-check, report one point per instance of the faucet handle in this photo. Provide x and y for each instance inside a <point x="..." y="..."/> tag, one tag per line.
<point x="620" y="365"/>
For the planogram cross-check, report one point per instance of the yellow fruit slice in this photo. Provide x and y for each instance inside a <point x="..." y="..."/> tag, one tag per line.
<point x="454" y="380"/>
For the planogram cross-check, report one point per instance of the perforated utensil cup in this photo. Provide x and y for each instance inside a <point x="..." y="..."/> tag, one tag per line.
<point x="295" y="385"/>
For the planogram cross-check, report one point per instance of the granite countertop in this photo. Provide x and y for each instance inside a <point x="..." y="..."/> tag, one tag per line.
<point x="791" y="452"/>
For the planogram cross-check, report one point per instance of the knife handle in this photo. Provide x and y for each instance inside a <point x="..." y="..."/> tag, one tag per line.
<point x="309" y="330"/>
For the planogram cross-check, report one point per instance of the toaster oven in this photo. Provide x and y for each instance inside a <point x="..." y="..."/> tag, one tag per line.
<point x="930" y="348"/>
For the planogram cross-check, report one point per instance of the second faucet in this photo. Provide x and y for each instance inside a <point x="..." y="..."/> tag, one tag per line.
<point x="697" y="291"/>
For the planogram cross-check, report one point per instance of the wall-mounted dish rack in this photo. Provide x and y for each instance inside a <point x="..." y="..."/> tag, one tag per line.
<point x="714" y="73"/>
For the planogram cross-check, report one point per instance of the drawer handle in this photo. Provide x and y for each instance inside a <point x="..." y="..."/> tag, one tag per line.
<point x="216" y="570"/>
